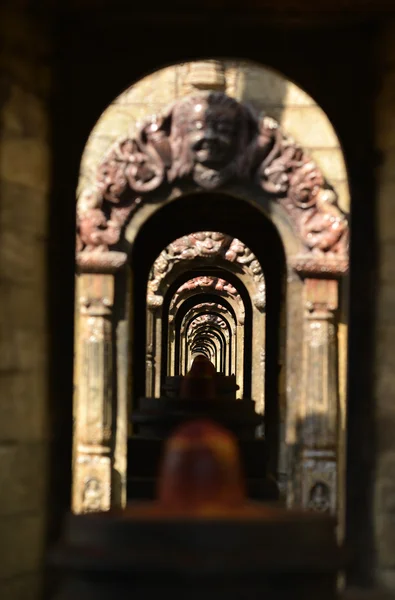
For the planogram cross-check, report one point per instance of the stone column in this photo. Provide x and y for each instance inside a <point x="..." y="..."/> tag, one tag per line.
<point x="153" y="345"/>
<point x="239" y="367"/>
<point x="318" y="416"/>
<point x="93" y="410"/>
<point x="171" y="347"/>
<point x="149" y="353"/>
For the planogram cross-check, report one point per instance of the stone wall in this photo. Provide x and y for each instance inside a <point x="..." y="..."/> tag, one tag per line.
<point x="385" y="323"/>
<point x="24" y="180"/>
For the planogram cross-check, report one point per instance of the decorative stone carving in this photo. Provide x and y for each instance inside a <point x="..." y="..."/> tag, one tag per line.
<point x="320" y="497"/>
<point x="210" y="139"/>
<point x="208" y="245"/>
<point x="319" y="481"/>
<point x="92" y="485"/>
<point x="207" y="319"/>
<point x="92" y="495"/>
<point x="208" y="284"/>
<point x="318" y="427"/>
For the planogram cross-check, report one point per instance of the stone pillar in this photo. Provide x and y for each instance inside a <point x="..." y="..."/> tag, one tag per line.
<point x="149" y="353"/>
<point x="318" y="416"/>
<point x="93" y="410"/>
<point x="153" y="345"/>
<point x="239" y="368"/>
<point x="171" y="347"/>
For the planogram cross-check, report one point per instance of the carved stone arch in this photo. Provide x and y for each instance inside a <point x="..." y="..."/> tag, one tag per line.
<point x="203" y="317"/>
<point x="209" y="284"/>
<point x="249" y="148"/>
<point x="218" y="337"/>
<point x="255" y="161"/>
<point x="221" y="305"/>
<point x="199" y="250"/>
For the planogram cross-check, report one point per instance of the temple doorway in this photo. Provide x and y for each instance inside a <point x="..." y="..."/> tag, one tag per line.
<point x="209" y="230"/>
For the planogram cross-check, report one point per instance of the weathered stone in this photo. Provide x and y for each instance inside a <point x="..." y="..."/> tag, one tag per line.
<point x="386" y="210"/>
<point x="23" y="114"/>
<point x="23" y="469"/>
<point x="22" y="257"/>
<point x="94" y="152"/>
<point x="386" y="495"/>
<point x="385" y="424"/>
<point x="122" y="121"/>
<point x="386" y="266"/>
<point x="22" y="537"/>
<point x="386" y="172"/>
<point x="385" y="306"/>
<point x="310" y="126"/>
<point x="385" y="383"/>
<point x="26" y="162"/>
<point x="23" y="407"/>
<point x="264" y="87"/>
<point x="23" y="587"/>
<point x="331" y="162"/>
<point x="160" y="87"/>
<point x="22" y="35"/>
<point x="385" y="540"/>
<point x="342" y="190"/>
<point x="385" y="132"/>
<point x="24" y="303"/>
<point x="386" y="579"/>
<point x="29" y="75"/>
<point x="23" y="209"/>
<point x="232" y="75"/>
<point x="21" y="349"/>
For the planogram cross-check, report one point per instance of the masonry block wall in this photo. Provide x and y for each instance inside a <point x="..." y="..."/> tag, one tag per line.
<point x="24" y="184"/>
<point x="384" y="498"/>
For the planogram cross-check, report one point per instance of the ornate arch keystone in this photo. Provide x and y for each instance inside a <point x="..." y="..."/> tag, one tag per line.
<point x="211" y="139"/>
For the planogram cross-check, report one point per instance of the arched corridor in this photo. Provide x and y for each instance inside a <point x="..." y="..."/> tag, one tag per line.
<point x="211" y="233"/>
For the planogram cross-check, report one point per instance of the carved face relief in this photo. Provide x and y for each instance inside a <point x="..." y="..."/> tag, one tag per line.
<point x="208" y="243"/>
<point x="320" y="497"/>
<point x="211" y="133"/>
<point x="92" y="495"/>
<point x="207" y="133"/>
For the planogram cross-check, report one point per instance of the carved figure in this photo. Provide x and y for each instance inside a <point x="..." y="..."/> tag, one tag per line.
<point x="211" y="139"/>
<point x="207" y="319"/>
<point x="210" y="133"/>
<point x="92" y="496"/>
<point x="319" y="499"/>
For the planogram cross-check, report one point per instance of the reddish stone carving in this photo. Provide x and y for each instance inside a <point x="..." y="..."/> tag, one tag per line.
<point x="207" y="319"/>
<point x="206" y="282"/>
<point x="211" y="139"/>
<point x="207" y="245"/>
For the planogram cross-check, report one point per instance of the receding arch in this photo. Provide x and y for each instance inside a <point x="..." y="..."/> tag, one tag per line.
<point x="301" y="216"/>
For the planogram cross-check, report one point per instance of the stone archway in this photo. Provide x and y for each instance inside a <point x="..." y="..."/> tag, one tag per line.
<point x="220" y="295"/>
<point x="172" y="156"/>
<point x="201" y="250"/>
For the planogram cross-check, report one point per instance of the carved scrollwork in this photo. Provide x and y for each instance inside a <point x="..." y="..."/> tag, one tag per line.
<point x="210" y="139"/>
<point x="208" y="245"/>
<point x="207" y="319"/>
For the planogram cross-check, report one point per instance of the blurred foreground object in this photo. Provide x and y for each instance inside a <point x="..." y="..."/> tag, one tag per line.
<point x="201" y="539"/>
<point x="201" y="394"/>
